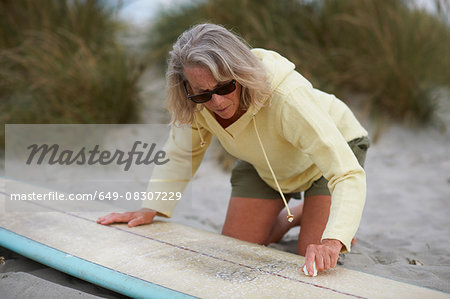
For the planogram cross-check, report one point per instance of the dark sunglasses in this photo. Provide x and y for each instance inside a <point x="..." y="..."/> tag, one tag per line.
<point x="206" y="96"/>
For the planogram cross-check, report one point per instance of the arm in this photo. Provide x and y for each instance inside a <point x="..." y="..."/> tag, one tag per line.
<point x="185" y="154"/>
<point x="320" y="139"/>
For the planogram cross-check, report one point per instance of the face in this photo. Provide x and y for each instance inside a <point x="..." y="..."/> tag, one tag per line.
<point x="201" y="80"/>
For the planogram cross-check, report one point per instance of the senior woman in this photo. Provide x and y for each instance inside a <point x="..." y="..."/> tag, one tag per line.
<point x="288" y="138"/>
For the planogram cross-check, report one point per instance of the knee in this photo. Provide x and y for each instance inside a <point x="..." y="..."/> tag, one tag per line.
<point x="245" y="237"/>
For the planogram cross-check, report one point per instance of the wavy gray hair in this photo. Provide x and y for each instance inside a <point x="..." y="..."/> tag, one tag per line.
<point x="226" y="55"/>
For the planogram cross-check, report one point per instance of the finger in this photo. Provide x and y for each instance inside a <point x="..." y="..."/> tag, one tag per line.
<point x="136" y="221"/>
<point x="103" y="218"/>
<point x="319" y="262"/>
<point x="106" y="221"/>
<point x="310" y="257"/>
<point x="334" y="259"/>
<point x="120" y="217"/>
<point x="115" y="217"/>
<point x="326" y="261"/>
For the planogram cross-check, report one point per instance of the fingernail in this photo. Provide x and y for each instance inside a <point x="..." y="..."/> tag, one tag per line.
<point x="306" y="271"/>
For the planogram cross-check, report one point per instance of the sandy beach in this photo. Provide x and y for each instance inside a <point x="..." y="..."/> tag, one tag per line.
<point x="404" y="233"/>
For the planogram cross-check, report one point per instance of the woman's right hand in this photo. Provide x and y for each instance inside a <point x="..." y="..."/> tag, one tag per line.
<point x="143" y="216"/>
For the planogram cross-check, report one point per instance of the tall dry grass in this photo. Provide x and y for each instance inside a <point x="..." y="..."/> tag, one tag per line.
<point x="399" y="56"/>
<point x="60" y="62"/>
<point x="392" y="52"/>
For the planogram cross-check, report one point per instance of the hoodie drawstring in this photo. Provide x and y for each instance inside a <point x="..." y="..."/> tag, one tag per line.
<point x="290" y="217"/>
<point x="202" y="142"/>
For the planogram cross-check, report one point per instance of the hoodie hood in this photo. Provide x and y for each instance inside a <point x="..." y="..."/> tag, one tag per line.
<point x="278" y="67"/>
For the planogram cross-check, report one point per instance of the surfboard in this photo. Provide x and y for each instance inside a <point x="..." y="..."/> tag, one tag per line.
<point x="170" y="260"/>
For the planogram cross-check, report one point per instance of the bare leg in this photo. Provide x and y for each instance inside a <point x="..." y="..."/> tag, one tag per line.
<point x="282" y="226"/>
<point x="251" y="219"/>
<point x="316" y="210"/>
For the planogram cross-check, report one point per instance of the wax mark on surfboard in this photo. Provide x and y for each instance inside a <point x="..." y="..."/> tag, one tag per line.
<point x="245" y="254"/>
<point x="201" y="265"/>
<point x="274" y="266"/>
<point x="236" y="271"/>
<point x="236" y="275"/>
<point x="240" y="275"/>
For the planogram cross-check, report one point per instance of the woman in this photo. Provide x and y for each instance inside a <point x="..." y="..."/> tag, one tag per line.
<point x="288" y="137"/>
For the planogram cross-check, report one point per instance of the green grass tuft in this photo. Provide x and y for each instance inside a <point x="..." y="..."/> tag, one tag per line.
<point x="60" y="62"/>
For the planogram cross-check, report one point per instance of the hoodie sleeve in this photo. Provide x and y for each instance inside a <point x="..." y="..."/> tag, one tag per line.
<point x="307" y="126"/>
<point x="185" y="153"/>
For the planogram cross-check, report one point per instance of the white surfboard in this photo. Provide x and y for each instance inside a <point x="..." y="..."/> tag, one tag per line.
<point x="168" y="260"/>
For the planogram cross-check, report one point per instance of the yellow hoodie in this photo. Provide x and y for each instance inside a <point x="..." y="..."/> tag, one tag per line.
<point x="304" y="132"/>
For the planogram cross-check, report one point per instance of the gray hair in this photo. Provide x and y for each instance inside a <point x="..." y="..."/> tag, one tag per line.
<point x="226" y="55"/>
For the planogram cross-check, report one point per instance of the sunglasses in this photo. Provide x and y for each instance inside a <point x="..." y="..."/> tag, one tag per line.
<point x="206" y="96"/>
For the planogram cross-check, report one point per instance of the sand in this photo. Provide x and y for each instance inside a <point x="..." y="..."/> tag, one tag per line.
<point x="404" y="233"/>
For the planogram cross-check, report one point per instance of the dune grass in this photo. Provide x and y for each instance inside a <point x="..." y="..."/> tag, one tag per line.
<point x="390" y="51"/>
<point x="60" y="62"/>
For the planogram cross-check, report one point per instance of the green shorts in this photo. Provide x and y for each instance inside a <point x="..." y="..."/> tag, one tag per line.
<point x="245" y="181"/>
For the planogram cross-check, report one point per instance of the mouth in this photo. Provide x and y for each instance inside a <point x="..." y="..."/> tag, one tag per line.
<point x="221" y="110"/>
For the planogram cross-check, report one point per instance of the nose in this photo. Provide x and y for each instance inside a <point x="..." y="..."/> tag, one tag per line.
<point x="217" y="99"/>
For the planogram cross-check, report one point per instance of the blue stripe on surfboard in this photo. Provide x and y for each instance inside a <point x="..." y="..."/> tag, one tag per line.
<point x="83" y="269"/>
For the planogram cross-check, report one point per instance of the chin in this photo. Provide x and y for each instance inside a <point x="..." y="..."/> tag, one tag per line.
<point x="223" y="116"/>
<point x="226" y="116"/>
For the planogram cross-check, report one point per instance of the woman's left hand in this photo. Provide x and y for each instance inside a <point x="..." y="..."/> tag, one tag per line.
<point x="325" y="255"/>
